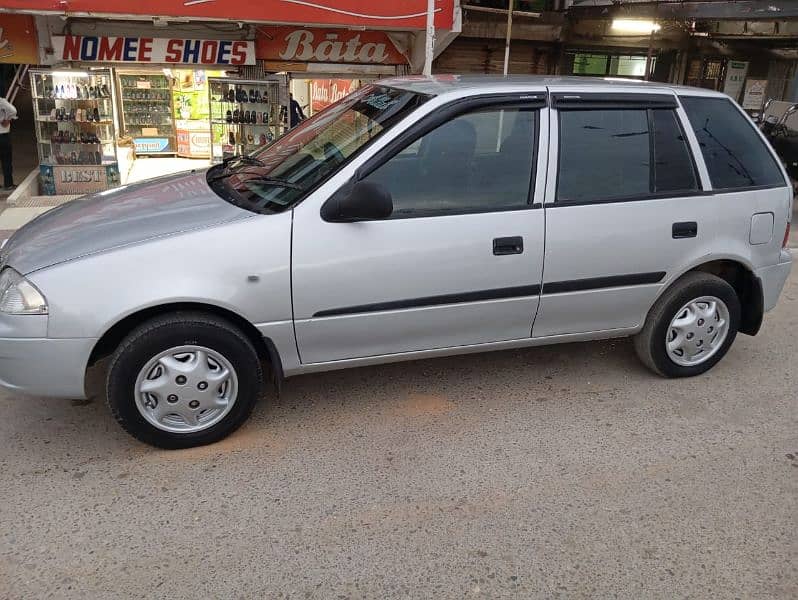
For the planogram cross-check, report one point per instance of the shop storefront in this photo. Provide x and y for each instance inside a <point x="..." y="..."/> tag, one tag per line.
<point x="174" y="85"/>
<point x="486" y="55"/>
<point x="326" y="64"/>
<point x="110" y="101"/>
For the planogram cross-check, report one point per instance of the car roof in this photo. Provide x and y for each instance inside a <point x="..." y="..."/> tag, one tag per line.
<point x="437" y="85"/>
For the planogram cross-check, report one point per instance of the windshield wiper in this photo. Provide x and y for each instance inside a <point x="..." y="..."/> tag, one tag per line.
<point x="274" y="181"/>
<point x="258" y="178"/>
<point x="244" y="158"/>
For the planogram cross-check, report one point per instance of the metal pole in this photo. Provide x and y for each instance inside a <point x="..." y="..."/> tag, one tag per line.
<point x="429" y="46"/>
<point x="649" y="55"/>
<point x="509" y="35"/>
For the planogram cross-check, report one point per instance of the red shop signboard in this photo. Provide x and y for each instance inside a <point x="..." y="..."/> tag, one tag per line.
<point x="307" y="44"/>
<point x="324" y="92"/>
<point x="401" y="14"/>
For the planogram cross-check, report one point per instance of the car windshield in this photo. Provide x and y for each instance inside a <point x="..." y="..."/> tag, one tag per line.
<point x="278" y="176"/>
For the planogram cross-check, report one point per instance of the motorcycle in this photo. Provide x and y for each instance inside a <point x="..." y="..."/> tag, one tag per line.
<point x="776" y="128"/>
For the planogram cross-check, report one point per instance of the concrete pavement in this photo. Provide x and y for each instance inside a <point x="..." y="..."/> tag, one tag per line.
<point x="565" y="471"/>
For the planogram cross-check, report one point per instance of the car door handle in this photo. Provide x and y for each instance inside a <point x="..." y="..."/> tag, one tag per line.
<point x="508" y="245"/>
<point x="688" y="229"/>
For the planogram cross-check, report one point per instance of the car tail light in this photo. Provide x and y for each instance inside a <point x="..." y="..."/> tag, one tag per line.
<point x="786" y="240"/>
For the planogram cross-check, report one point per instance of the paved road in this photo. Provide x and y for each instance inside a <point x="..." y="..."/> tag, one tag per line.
<point x="555" y="472"/>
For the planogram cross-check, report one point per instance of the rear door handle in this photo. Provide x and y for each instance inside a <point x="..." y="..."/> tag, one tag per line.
<point x="687" y="229"/>
<point x="508" y="245"/>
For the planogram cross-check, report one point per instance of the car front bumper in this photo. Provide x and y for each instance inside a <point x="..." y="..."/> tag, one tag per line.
<point x="32" y="363"/>
<point x="773" y="279"/>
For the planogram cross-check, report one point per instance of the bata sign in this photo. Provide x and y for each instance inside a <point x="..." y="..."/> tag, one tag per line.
<point x="324" y="92"/>
<point x="92" y="48"/>
<point x="328" y="46"/>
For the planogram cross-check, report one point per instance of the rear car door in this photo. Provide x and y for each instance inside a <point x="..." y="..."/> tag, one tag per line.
<point x="624" y="208"/>
<point x="458" y="263"/>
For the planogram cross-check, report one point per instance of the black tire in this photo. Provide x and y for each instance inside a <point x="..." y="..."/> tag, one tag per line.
<point x="169" y="331"/>
<point x="650" y="342"/>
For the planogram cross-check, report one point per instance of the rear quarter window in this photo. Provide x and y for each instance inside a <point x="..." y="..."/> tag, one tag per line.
<point x="735" y="155"/>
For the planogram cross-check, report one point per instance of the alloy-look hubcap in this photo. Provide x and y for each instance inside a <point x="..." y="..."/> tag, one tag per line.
<point x="186" y="389"/>
<point x="697" y="331"/>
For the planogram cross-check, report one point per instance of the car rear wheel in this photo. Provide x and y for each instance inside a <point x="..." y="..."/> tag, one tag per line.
<point x="690" y="327"/>
<point x="183" y="380"/>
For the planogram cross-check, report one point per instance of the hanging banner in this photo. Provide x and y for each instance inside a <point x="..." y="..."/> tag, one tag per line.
<point x="306" y="44"/>
<point x="18" y="43"/>
<point x="401" y="14"/>
<point x="93" y="48"/>
<point x="754" y="98"/>
<point x="736" y="71"/>
<point x="324" y="92"/>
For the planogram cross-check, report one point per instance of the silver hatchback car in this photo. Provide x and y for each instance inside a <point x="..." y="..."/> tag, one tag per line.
<point x="417" y="217"/>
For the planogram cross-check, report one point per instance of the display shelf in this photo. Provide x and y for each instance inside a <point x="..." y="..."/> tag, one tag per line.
<point x="71" y="99"/>
<point x="263" y="97"/>
<point x="73" y="122"/>
<point x="76" y="155"/>
<point x="147" y="115"/>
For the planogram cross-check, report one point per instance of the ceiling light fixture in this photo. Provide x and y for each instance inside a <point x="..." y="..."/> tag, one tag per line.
<point x="634" y="26"/>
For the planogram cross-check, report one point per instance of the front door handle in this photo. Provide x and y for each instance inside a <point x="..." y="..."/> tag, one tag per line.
<point x="508" y="245"/>
<point x="688" y="229"/>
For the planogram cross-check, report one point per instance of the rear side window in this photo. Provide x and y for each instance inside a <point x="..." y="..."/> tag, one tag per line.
<point x="735" y="155"/>
<point x="617" y="154"/>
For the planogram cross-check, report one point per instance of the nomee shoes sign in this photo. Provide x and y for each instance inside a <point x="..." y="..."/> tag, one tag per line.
<point x="396" y="14"/>
<point x="307" y="44"/>
<point x="93" y="48"/>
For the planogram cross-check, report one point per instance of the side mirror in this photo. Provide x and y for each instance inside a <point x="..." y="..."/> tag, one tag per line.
<point x="362" y="201"/>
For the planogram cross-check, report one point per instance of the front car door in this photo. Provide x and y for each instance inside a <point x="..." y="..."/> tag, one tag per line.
<point x="460" y="260"/>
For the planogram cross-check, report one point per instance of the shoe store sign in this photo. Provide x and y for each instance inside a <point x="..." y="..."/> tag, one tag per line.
<point x="304" y="44"/>
<point x="94" y="48"/>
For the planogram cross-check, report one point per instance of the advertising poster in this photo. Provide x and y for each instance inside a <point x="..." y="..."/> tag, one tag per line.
<point x="754" y="98"/>
<point x="735" y="78"/>
<point x="324" y="92"/>
<point x="57" y="180"/>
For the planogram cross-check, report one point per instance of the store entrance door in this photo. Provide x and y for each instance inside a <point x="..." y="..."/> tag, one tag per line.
<point x="164" y="120"/>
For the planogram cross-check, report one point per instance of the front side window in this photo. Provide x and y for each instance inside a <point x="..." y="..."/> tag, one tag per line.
<point x="480" y="161"/>
<point x="617" y="154"/>
<point x="735" y="155"/>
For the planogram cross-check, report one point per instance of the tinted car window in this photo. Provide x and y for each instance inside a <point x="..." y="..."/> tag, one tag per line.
<point x="607" y="154"/>
<point x="735" y="155"/>
<point x="673" y="166"/>
<point x="477" y="162"/>
<point x="604" y="154"/>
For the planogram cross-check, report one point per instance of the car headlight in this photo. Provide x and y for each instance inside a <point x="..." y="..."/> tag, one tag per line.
<point x="18" y="296"/>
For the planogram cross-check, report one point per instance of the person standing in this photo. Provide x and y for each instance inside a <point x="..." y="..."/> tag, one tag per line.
<point x="296" y="114"/>
<point x="7" y="114"/>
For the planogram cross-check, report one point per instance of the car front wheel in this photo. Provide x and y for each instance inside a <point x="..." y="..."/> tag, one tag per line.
<point x="690" y="327"/>
<point x="183" y="380"/>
